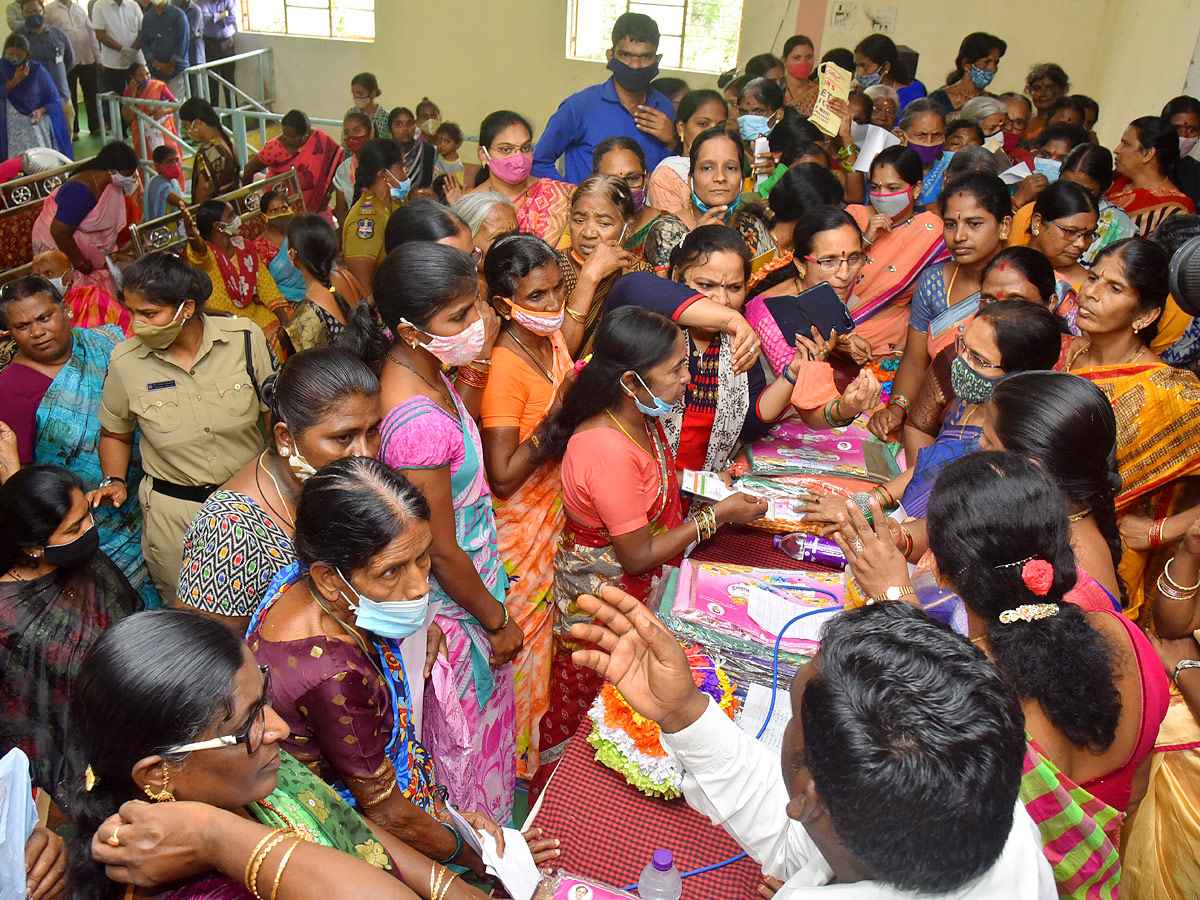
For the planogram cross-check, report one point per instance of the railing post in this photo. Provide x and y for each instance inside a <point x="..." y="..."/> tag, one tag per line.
<point x="239" y="136"/>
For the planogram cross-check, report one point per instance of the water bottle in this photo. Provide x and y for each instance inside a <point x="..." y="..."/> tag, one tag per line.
<point x="811" y="548"/>
<point x="762" y="148"/>
<point x="660" y="880"/>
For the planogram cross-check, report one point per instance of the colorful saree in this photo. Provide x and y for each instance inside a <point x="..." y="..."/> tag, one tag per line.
<point x="302" y="801"/>
<point x="1160" y="838"/>
<point x="1158" y="446"/>
<point x="955" y="440"/>
<point x="571" y="279"/>
<point x="885" y="287"/>
<point x="96" y="236"/>
<point x="585" y="561"/>
<point x="1148" y="207"/>
<point x="155" y="90"/>
<point x="68" y="433"/>
<point x="315" y="163"/>
<point x="636" y="242"/>
<point x="46" y="627"/>
<point x="411" y="762"/>
<point x="1080" y="833"/>
<point x="92" y="308"/>
<point x="543" y="207"/>
<point x="528" y="524"/>
<point x="470" y="727"/>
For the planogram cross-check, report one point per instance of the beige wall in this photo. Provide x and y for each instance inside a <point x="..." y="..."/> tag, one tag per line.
<point x="474" y="56"/>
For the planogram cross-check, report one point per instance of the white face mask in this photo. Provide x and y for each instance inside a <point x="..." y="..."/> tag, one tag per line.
<point x="395" y="619"/>
<point x="60" y="283"/>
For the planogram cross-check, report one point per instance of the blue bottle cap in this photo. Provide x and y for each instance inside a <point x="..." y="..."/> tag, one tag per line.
<point x="663" y="860"/>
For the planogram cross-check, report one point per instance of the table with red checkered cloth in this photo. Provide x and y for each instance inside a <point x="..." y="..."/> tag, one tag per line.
<point x="610" y="830"/>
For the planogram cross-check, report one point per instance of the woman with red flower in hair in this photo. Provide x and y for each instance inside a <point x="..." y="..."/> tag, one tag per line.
<point x="1092" y="688"/>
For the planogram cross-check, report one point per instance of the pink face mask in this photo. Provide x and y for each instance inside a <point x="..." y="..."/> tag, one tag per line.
<point x="457" y="349"/>
<point x="512" y="169"/>
<point x="542" y="323"/>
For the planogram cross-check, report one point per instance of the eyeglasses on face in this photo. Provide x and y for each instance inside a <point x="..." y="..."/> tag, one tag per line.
<point x="251" y="735"/>
<point x="974" y="360"/>
<point x="1075" y="234"/>
<point x="832" y="263"/>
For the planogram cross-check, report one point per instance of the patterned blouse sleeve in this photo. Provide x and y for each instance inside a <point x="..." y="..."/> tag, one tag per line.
<point x="344" y="715"/>
<point x="663" y="237"/>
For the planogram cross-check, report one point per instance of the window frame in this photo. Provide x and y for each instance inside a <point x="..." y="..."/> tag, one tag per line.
<point x="244" y="22"/>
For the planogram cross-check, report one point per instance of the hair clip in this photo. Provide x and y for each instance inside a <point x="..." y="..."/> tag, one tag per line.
<point x="1029" y="612"/>
<point x="581" y="363"/>
<point x="89" y="779"/>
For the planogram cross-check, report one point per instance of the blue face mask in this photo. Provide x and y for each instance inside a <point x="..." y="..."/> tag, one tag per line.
<point x="660" y="407"/>
<point x="866" y="81"/>
<point x="1048" y="167"/>
<point x="981" y="78"/>
<point x="704" y="207"/>
<point x="395" y="619"/>
<point x="753" y="126"/>
<point x="401" y="191"/>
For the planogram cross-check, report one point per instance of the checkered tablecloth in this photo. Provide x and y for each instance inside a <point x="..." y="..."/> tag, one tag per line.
<point x="610" y="830"/>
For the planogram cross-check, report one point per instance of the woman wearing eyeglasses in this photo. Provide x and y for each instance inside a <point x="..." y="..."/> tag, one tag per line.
<point x="976" y="219"/>
<point x="506" y="154"/>
<point x="171" y="706"/>
<point x="827" y="246"/>
<point x="1062" y="227"/>
<point x="57" y="594"/>
<point x="623" y="157"/>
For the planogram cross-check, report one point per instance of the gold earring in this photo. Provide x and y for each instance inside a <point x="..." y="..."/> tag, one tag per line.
<point x="285" y="452"/>
<point x="165" y="795"/>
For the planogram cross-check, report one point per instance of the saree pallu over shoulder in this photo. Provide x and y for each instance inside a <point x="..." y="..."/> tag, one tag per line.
<point x="1080" y="834"/>
<point x="1158" y="446"/>
<point x="586" y="559"/>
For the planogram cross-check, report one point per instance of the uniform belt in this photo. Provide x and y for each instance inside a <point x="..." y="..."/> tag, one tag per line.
<point x="194" y="493"/>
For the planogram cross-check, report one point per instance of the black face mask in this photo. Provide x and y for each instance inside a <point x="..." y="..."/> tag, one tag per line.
<point x="631" y="79"/>
<point x="76" y="553"/>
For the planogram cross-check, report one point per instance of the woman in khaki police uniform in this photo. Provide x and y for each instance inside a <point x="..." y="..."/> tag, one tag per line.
<point x="190" y="383"/>
<point x="380" y="185"/>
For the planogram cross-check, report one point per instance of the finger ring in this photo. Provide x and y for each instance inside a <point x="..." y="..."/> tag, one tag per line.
<point x="113" y="840"/>
<point x="857" y="545"/>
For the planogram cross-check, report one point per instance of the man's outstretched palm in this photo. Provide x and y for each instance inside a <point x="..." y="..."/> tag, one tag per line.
<point x="640" y="657"/>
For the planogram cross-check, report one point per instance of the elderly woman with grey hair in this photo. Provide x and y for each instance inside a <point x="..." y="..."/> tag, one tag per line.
<point x="488" y="214"/>
<point x="991" y="115"/>
<point x="885" y="105"/>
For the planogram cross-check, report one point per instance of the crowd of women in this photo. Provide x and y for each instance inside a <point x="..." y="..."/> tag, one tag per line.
<point x="374" y="456"/>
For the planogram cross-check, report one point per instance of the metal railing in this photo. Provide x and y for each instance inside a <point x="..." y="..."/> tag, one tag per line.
<point x="32" y="188"/>
<point x="199" y="79"/>
<point x="166" y="233"/>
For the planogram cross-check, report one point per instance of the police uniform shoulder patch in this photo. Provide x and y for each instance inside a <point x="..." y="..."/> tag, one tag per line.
<point x="366" y="229"/>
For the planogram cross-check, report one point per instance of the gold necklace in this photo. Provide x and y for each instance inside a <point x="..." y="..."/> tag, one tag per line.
<point x="628" y="435"/>
<point x="286" y="515"/>
<point x="1079" y="516"/>
<point x="537" y="362"/>
<point x="453" y="407"/>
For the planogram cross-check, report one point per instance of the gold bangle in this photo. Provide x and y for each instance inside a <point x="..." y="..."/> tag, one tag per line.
<point x="262" y="858"/>
<point x="254" y="853"/>
<point x="440" y="871"/>
<point x="1175" y="584"/>
<point x="581" y="318"/>
<point x="445" y="889"/>
<point x="537" y="442"/>
<point x="283" y="865"/>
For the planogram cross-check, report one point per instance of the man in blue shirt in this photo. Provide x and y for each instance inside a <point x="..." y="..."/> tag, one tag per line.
<point x="165" y="38"/>
<point x="195" y="19"/>
<point x="624" y="105"/>
<point x="52" y="48"/>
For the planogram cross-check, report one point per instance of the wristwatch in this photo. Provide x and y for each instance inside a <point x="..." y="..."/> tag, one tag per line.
<point x="895" y="592"/>
<point x="112" y="479"/>
<point x="1185" y="664"/>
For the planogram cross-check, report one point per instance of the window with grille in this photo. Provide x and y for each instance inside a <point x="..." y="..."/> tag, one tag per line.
<point x="347" y="19"/>
<point x="697" y="35"/>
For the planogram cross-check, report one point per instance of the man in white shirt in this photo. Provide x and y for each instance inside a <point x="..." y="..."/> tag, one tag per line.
<point x="901" y="763"/>
<point x="72" y="18"/>
<point x="118" y="27"/>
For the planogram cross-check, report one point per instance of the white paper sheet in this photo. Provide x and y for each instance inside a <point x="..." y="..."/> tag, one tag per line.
<point x="470" y="835"/>
<point x="877" y="140"/>
<point x="18" y="816"/>
<point x="754" y="713"/>
<point x="703" y="484"/>
<point x="516" y="869"/>
<point x="771" y="611"/>
<point x="1016" y="174"/>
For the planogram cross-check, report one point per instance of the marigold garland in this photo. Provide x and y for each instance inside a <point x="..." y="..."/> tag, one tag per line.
<point x="629" y="743"/>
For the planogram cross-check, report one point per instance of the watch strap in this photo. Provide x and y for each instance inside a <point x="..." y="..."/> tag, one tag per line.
<point x="898" y="590"/>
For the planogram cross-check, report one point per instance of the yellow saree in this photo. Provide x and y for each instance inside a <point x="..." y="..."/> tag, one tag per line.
<point x="1158" y="448"/>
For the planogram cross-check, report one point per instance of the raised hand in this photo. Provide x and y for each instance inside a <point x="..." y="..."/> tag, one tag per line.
<point x="640" y="657"/>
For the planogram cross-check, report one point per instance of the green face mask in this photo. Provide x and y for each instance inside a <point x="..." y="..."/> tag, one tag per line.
<point x="160" y="337"/>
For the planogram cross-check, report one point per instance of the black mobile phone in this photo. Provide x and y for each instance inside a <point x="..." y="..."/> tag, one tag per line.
<point x="819" y="306"/>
